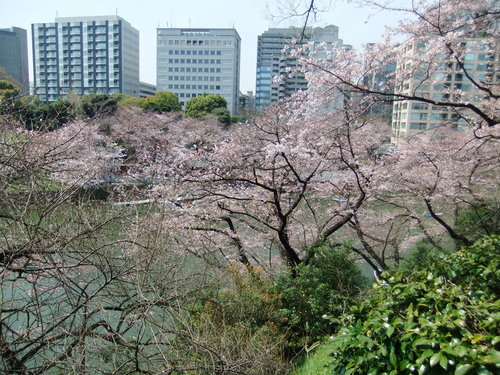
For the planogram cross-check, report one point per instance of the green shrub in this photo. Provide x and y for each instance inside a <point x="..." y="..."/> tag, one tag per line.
<point x="131" y="101"/>
<point x="36" y="115"/>
<point x="423" y="255"/>
<point x="7" y="90"/>
<point x="479" y="220"/>
<point x="204" y="104"/>
<point x="328" y="285"/>
<point x="438" y="320"/>
<point x="162" y="101"/>
<point x="237" y="119"/>
<point x="222" y="115"/>
<point x="93" y="105"/>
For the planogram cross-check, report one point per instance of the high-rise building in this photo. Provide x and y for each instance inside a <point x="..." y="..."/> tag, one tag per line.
<point x="193" y="62"/>
<point x="272" y="61"/>
<point x="14" y="55"/>
<point x="85" y="55"/>
<point x="451" y="81"/>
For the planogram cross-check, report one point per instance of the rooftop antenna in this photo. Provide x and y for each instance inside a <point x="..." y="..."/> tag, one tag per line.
<point x="189" y="22"/>
<point x="57" y="14"/>
<point x="116" y="9"/>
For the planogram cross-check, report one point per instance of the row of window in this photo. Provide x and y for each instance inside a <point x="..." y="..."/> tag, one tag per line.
<point x="99" y="28"/>
<point x="194" y="78"/>
<point x="193" y="87"/>
<point x="194" y="61"/>
<point x="183" y="69"/>
<point x="77" y="81"/>
<point x="76" y="46"/>
<point x="194" y="52"/>
<point x="433" y="116"/>
<point x="190" y="42"/>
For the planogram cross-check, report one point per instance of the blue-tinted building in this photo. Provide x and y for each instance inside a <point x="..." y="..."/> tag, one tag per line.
<point x="271" y="61"/>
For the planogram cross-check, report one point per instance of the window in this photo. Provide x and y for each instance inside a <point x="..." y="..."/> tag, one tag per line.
<point x="418" y="116"/>
<point x="418" y="125"/>
<point x="469" y="56"/>
<point x="419" y="106"/>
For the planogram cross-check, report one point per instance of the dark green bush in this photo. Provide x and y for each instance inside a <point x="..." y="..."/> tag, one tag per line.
<point x="36" y="115"/>
<point x="7" y="90"/>
<point x="328" y="285"/>
<point x="423" y="255"/>
<point x="479" y="220"/>
<point x="222" y="115"/>
<point x="438" y="320"/>
<point x="93" y="105"/>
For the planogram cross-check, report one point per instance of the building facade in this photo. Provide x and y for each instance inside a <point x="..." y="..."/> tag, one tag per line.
<point x="85" y="55"/>
<point x="14" y="56"/>
<point x="193" y="62"/>
<point x="451" y="81"/>
<point x="272" y="61"/>
<point x="146" y="89"/>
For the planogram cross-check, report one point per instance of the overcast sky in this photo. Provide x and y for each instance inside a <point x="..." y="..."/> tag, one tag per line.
<point x="249" y="17"/>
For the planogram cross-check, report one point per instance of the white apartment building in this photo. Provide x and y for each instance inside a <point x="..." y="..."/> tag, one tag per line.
<point x="85" y="55"/>
<point x="193" y="62"/>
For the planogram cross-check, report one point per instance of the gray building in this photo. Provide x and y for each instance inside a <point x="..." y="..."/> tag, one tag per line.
<point x="271" y="61"/>
<point x="193" y="62"/>
<point x="85" y="55"/>
<point x="146" y="89"/>
<point x="14" y="55"/>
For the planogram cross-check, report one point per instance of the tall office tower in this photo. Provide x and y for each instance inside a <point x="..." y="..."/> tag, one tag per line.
<point x="14" y="55"/>
<point x="271" y="61"/>
<point x="85" y="55"/>
<point x="453" y="80"/>
<point x="193" y="62"/>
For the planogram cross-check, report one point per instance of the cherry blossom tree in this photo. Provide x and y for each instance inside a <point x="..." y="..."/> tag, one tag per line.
<point x="318" y="167"/>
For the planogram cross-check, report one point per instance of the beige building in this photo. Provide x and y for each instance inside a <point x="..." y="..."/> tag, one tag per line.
<point x="446" y="84"/>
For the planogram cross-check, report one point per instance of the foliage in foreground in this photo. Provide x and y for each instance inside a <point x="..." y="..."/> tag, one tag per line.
<point x="442" y="320"/>
<point x="267" y="322"/>
<point x="329" y="284"/>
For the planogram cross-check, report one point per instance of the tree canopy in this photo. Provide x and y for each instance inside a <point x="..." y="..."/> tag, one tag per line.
<point x="204" y="104"/>
<point x="162" y="101"/>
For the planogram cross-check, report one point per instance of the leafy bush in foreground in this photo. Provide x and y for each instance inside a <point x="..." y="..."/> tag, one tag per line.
<point x="442" y="320"/>
<point x="328" y="285"/>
